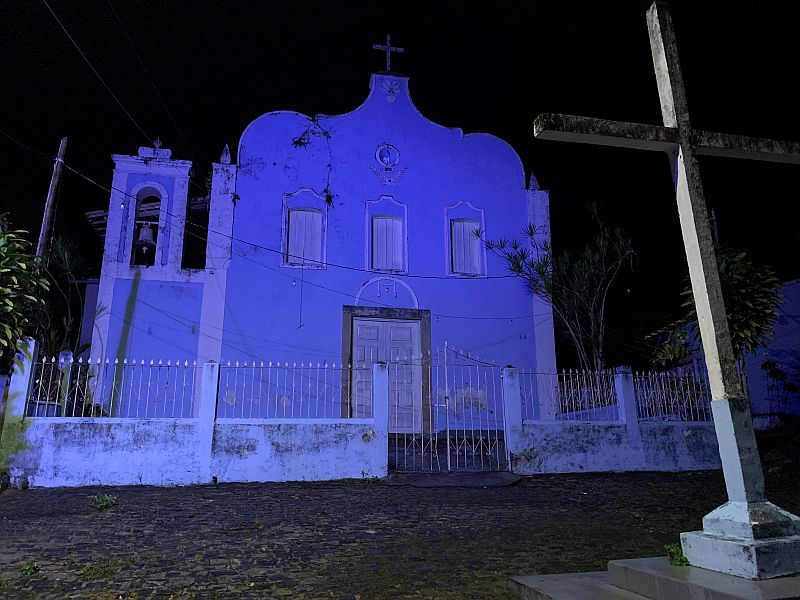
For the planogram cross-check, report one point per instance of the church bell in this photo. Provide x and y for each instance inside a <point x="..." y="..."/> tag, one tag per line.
<point x="145" y="242"/>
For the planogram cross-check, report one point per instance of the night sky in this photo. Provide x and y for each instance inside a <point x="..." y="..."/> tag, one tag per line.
<point x="480" y="66"/>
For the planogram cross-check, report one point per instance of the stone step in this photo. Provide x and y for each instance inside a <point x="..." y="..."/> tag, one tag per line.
<point x="569" y="586"/>
<point x="656" y="579"/>
<point x="652" y="579"/>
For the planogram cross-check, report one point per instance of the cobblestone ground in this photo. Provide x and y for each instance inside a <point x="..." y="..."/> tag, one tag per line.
<point x="355" y="540"/>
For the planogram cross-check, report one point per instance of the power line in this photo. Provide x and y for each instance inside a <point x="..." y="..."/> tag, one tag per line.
<point x="158" y="93"/>
<point x="191" y="323"/>
<point x="182" y="221"/>
<point x="112" y="189"/>
<point x="125" y="110"/>
<point x="34" y="150"/>
<point x="88" y="62"/>
<point x="150" y="79"/>
<point x="187" y="322"/>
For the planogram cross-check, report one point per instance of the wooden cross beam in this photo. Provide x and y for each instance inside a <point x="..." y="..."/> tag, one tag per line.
<point x="744" y="478"/>
<point x="389" y="49"/>
<point x="621" y="134"/>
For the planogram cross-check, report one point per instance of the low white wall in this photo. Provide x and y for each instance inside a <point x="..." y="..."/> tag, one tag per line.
<point x="78" y="451"/>
<point x="292" y="451"/>
<point x="61" y="451"/>
<point x="676" y="446"/>
<point x="574" y="447"/>
<point x="117" y="451"/>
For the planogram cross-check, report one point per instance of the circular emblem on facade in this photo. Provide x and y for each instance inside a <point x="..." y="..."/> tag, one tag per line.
<point x="392" y="89"/>
<point x="387" y="155"/>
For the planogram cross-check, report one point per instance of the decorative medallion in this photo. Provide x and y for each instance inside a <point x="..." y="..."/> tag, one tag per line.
<point x="392" y="87"/>
<point x="388" y="157"/>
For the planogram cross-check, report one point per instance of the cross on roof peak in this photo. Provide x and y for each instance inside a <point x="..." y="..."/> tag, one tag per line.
<point x="388" y="48"/>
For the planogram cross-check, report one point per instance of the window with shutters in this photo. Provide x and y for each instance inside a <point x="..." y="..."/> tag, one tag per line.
<point x="388" y="247"/>
<point x="303" y="244"/>
<point x="466" y="250"/>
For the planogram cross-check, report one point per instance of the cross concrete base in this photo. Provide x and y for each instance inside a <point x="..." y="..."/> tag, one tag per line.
<point x="755" y="540"/>
<point x="652" y="579"/>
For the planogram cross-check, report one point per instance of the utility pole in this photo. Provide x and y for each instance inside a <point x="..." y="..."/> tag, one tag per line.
<point x="44" y="234"/>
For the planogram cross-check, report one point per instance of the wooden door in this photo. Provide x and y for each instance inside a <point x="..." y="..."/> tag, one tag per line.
<point x="396" y="342"/>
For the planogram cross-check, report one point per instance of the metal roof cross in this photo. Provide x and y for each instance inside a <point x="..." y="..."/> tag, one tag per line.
<point x="389" y="49"/>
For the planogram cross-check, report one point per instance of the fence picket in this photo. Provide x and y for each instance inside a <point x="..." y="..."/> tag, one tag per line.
<point x="104" y="388"/>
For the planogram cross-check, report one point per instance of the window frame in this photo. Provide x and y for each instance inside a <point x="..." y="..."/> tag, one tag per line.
<point x="464" y="211"/>
<point x="304" y="199"/>
<point x="478" y="258"/>
<point x="398" y="229"/>
<point x="292" y="260"/>
<point x="385" y="207"/>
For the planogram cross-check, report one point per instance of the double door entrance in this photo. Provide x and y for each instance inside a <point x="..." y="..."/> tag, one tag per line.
<point x="397" y="343"/>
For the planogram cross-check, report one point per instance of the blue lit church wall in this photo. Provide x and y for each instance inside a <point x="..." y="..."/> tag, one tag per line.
<point x="386" y="202"/>
<point x="340" y="239"/>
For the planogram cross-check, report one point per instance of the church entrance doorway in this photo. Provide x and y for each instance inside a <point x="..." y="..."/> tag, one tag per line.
<point x="397" y="343"/>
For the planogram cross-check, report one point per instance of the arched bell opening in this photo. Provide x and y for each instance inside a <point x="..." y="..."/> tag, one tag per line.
<point x="145" y="229"/>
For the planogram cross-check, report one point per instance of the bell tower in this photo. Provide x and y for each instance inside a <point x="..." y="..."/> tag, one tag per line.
<point x="147" y="212"/>
<point x="143" y="245"/>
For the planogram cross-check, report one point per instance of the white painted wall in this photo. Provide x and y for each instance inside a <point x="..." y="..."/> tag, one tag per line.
<point x="121" y="451"/>
<point x="596" y="447"/>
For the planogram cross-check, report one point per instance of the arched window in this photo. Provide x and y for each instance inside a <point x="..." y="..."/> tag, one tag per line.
<point x="145" y="229"/>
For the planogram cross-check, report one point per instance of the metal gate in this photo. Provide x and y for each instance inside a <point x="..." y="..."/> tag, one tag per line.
<point x="460" y="425"/>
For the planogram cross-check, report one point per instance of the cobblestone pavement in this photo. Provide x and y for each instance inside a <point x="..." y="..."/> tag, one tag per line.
<point x="355" y="540"/>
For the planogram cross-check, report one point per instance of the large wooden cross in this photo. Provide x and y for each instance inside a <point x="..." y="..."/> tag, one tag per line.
<point x="744" y="478"/>
<point x="389" y="49"/>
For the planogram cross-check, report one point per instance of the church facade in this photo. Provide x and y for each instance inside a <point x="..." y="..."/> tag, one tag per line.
<point x="348" y="239"/>
<point x="341" y="252"/>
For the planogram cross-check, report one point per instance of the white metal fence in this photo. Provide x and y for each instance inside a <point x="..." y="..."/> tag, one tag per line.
<point x="282" y="390"/>
<point x="449" y="400"/>
<point x="679" y="395"/>
<point x="569" y="396"/>
<point x="443" y="414"/>
<point x="128" y="388"/>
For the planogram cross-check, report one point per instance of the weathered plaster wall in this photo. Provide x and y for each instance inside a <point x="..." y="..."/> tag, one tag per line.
<point x="770" y="396"/>
<point x="572" y="447"/>
<point x="784" y="351"/>
<point x="281" y="153"/>
<point x="292" y="451"/>
<point x="126" y="451"/>
<point x="153" y="319"/>
<point x="73" y="452"/>
<point x="679" y="446"/>
<point x="547" y="447"/>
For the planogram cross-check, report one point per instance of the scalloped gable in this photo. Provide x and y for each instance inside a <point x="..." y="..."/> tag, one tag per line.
<point x="388" y="111"/>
